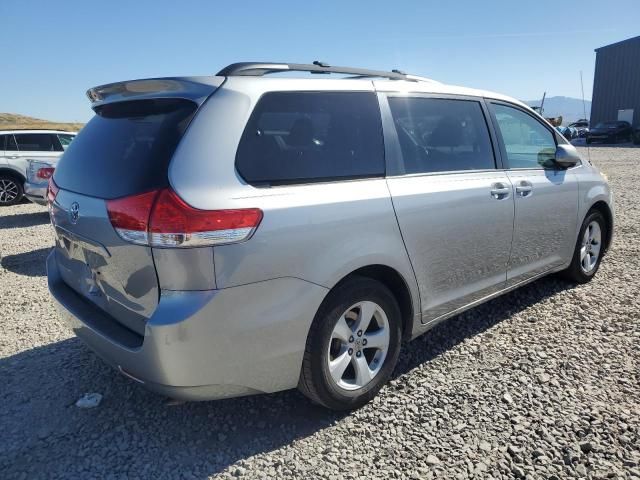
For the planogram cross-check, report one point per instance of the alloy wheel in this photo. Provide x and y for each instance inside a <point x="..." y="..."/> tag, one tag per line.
<point x="359" y="345"/>
<point x="590" y="248"/>
<point x="9" y="190"/>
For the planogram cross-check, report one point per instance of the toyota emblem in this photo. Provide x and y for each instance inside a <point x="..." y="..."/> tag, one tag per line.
<point x="74" y="213"/>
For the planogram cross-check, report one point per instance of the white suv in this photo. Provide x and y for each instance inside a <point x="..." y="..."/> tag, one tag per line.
<point x="17" y="147"/>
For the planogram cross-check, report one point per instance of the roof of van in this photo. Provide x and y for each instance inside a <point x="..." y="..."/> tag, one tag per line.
<point x="260" y="73"/>
<point x="394" y="80"/>
<point x="440" y="88"/>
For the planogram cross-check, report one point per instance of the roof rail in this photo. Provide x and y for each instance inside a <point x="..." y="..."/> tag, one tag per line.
<point x="259" y="69"/>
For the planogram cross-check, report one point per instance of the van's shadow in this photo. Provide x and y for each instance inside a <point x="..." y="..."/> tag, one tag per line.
<point x="44" y="431"/>
<point x="23" y="220"/>
<point x="31" y="263"/>
<point x="455" y="330"/>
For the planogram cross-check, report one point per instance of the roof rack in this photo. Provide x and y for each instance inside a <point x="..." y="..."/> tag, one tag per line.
<point x="258" y="69"/>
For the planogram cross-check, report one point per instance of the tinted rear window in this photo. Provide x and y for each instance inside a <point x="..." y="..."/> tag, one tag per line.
<point x="125" y="148"/>
<point x="301" y="137"/>
<point x="37" y="142"/>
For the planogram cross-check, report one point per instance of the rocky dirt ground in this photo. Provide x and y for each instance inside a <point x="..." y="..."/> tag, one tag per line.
<point x="543" y="383"/>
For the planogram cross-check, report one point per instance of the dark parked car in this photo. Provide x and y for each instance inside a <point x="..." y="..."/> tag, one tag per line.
<point x="610" y="132"/>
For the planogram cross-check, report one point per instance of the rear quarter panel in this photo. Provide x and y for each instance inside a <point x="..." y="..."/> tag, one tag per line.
<point x="319" y="233"/>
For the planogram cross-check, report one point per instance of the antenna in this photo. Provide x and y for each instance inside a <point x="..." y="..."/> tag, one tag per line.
<point x="584" y="107"/>
<point x="584" y="111"/>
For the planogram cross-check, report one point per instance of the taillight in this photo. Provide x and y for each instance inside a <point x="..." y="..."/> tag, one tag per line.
<point x="45" y="173"/>
<point x="162" y="219"/>
<point x="130" y="216"/>
<point x="176" y="224"/>
<point x="52" y="191"/>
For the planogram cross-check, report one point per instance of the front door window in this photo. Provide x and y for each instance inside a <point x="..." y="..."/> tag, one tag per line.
<point x="528" y="143"/>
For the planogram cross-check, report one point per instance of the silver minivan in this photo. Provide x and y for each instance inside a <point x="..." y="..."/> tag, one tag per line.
<point x="253" y="232"/>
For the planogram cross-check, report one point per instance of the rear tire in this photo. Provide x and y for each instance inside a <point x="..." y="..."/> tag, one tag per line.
<point x="11" y="190"/>
<point x="352" y="346"/>
<point x="589" y="249"/>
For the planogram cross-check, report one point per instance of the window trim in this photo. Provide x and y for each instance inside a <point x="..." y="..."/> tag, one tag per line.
<point x="58" y="135"/>
<point x="554" y="134"/>
<point x="392" y="144"/>
<point x="319" y="180"/>
<point x="57" y="143"/>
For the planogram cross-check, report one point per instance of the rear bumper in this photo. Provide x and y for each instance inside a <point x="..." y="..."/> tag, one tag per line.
<point x="37" y="193"/>
<point x="202" y="345"/>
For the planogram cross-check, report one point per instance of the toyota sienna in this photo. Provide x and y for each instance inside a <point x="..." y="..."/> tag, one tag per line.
<point x="253" y="232"/>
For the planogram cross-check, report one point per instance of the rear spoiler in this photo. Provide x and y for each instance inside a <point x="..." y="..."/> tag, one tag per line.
<point x="196" y="89"/>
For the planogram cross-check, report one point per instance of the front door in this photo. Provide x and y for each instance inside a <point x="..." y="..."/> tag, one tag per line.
<point x="546" y="197"/>
<point x="454" y="207"/>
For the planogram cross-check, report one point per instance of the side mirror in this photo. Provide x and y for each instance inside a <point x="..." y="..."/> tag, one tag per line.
<point x="566" y="156"/>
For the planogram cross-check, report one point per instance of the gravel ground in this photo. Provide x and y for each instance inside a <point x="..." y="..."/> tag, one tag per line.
<point x="541" y="383"/>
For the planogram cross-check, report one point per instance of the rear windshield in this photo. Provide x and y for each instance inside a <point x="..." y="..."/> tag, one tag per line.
<point x="125" y="148"/>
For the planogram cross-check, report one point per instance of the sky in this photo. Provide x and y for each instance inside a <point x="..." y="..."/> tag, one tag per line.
<point x="54" y="51"/>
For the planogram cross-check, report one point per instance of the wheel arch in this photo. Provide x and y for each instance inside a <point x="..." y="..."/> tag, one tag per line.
<point x="602" y="207"/>
<point x="13" y="173"/>
<point x="396" y="283"/>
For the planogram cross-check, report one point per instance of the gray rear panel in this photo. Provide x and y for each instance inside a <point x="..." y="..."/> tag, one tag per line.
<point x="118" y="277"/>
<point x="124" y="150"/>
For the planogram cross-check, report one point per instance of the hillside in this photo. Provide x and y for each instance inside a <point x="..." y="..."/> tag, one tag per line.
<point x="570" y="108"/>
<point x="13" y="120"/>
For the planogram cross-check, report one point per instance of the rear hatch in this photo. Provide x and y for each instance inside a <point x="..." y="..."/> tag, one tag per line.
<point x="123" y="151"/>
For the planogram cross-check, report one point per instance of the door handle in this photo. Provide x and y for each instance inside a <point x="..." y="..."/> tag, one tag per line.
<point x="500" y="191"/>
<point x="524" y="188"/>
<point x="13" y="157"/>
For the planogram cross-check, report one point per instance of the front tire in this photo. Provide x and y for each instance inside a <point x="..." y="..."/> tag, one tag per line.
<point x="589" y="249"/>
<point x="11" y="190"/>
<point x="352" y="346"/>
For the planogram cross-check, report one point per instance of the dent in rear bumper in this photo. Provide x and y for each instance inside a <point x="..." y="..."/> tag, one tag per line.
<point x="210" y="344"/>
<point x="36" y="193"/>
